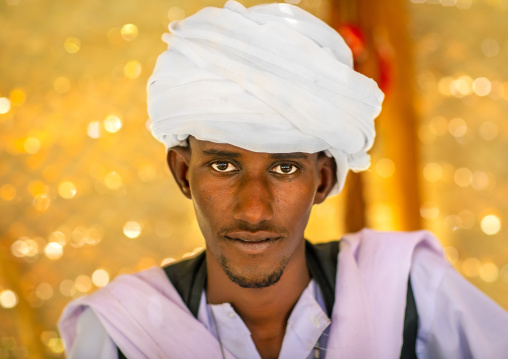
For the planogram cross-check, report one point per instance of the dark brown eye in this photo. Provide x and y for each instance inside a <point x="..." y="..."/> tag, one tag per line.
<point x="223" y="166"/>
<point x="285" y="169"/>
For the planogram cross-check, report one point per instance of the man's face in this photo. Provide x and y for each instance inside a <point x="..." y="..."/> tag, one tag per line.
<point x="252" y="207"/>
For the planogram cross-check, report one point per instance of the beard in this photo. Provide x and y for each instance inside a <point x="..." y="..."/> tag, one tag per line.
<point x="257" y="280"/>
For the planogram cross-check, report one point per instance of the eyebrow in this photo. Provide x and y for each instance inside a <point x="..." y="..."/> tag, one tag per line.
<point x="221" y="153"/>
<point x="292" y="155"/>
<point x="276" y="156"/>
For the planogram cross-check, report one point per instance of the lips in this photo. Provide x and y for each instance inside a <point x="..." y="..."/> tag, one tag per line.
<point x="252" y="237"/>
<point x="253" y="242"/>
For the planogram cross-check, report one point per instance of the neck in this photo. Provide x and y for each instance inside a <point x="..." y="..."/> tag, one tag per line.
<point x="265" y="311"/>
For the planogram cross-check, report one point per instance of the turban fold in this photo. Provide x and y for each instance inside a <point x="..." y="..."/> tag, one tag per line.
<point x="270" y="78"/>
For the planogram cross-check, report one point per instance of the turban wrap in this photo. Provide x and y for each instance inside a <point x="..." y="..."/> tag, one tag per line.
<point x="270" y="78"/>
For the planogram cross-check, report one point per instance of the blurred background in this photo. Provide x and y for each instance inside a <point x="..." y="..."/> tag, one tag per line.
<point x="85" y="194"/>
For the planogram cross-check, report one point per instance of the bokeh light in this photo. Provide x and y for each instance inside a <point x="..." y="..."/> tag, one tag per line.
<point x="5" y="105"/>
<point x="53" y="250"/>
<point x="112" y="123"/>
<point x="129" y="32"/>
<point x="67" y="189"/>
<point x="132" y="229"/>
<point x="100" y="278"/>
<point x="72" y="45"/>
<point x="490" y="224"/>
<point x="8" y="299"/>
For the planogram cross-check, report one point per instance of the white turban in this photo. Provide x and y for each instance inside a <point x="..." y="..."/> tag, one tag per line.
<point x="271" y="78"/>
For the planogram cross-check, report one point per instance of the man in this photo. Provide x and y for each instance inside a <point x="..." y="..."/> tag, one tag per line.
<point x="263" y="116"/>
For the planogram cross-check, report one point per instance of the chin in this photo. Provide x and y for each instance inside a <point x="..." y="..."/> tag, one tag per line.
<point x="253" y="277"/>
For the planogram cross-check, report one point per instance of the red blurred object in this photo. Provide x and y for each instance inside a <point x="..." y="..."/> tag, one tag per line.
<point x="356" y="41"/>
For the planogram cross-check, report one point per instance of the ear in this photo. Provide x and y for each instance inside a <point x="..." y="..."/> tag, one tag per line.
<point x="327" y="177"/>
<point x="178" y="161"/>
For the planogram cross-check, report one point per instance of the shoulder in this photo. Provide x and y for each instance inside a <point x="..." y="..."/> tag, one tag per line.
<point x="92" y="339"/>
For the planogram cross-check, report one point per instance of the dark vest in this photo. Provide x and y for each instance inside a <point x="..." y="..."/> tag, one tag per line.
<point x="189" y="279"/>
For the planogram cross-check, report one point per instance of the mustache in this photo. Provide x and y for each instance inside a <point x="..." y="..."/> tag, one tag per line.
<point x="247" y="227"/>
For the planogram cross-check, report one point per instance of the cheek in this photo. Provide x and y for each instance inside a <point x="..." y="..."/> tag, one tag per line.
<point x="210" y="202"/>
<point x="294" y="203"/>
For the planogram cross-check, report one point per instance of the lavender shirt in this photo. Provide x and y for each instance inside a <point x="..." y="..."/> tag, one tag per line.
<point x="456" y="319"/>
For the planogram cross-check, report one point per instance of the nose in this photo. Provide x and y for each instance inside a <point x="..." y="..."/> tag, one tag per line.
<point x="253" y="200"/>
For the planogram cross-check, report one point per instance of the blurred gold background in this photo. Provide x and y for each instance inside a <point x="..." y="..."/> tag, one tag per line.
<point x="85" y="194"/>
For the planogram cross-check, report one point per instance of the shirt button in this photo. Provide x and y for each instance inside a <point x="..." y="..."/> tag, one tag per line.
<point x="316" y="322"/>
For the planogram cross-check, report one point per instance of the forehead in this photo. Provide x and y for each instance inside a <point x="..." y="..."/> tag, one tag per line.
<point x="207" y="148"/>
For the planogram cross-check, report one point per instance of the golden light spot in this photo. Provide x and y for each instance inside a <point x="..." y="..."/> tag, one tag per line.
<point x="41" y="202"/>
<point x="490" y="47"/>
<point x="129" y="32"/>
<point x="132" y="69"/>
<point x="432" y="172"/>
<point x="480" y="180"/>
<point x="176" y="13"/>
<point x="79" y="237"/>
<point x="17" y="97"/>
<point x="132" y="229"/>
<point x="32" y="145"/>
<point x="67" y="288"/>
<point x="385" y="167"/>
<point x="83" y="284"/>
<point x="113" y="180"/>
<point x="112" y="123"/>
<point x="482" y="86"/>
<point x="489" y="272"/>
<point x="488" y="130"/>
<point x="445" y="85"/>
<point x="44" y="291"/>
<point x="56" y="345"/>
<point x="72" y="45"/>
<point x="24" y="247"/>
<point x="429" y="210"/>
<point x="463" y="86"/>
<point x="93" y="236"/>
<point x="47" y="335"/>
<point x="452" y="255"/>
<point x="463" y="177"/>
<point x="67" y="190"/>
<point x="471" y="267"/>
<point x="490" y="224"/>
<point x="58" y="237"/>
<point x="167" y="261"/>
<point x="100" y="278"/>
<point x="53" y="250"/>
<point x="62" y="85"/>
<point x="5" y="105"/>
<point x="8" y="299"/>
<point x="94" y="129"/>
<point x="7" y="192"/>
<point x="457" y="127"/>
